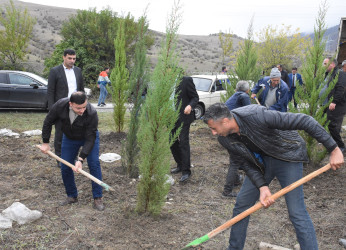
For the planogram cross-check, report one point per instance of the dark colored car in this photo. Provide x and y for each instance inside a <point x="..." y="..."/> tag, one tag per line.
<point x="19" y="89"/>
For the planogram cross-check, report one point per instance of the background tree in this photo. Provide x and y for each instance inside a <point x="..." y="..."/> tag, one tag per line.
<point x="279" y="46"/>
<point x="91" y="34"/>
<point x="119" y="78"/>
<point x="226" y="44"/>
<point x="307" y="95"/>
<point x="138" y="84"/>
<point x="14" y="38"/>
<point x="157" y="119"/>
<point x="246" y="67"/>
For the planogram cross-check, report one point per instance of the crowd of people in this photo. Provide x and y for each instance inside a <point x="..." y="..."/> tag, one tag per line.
<point x="262" y="140"/>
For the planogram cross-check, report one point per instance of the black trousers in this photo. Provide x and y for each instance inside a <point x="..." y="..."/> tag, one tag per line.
<point x="336" y="118"/>
<point x="58" y="138"/>
<point x="181" y="148"/>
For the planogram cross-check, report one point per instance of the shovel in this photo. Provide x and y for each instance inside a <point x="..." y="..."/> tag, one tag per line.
<point x="86" y="174"/>
<point x="256" y="207"/>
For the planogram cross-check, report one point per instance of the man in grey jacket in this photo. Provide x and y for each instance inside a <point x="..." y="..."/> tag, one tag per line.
<point x="265" y="144"/>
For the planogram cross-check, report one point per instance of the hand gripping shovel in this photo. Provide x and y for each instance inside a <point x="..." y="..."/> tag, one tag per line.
<point x="256" y="207"/>
<point x="86" y="174"/>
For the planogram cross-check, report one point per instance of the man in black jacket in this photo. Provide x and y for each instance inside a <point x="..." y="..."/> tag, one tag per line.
<point x="79" y="123"/>
<point x="265" y="144"/>
<point x="337" y="108"/>
<point x="188" y="98"/>
<point x="63" y="80"/>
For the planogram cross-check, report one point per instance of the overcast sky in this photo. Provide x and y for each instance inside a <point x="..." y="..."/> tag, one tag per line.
<point x="206" y="17"/>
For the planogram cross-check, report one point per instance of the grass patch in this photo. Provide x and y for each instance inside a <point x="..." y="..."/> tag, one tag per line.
<point x="20" y="121"/>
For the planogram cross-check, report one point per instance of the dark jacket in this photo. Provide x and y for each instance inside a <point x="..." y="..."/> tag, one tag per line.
<point x="290" y="80"/>
<point x="57" y="84"/>
<point x="284" y="76"/>
<point x="339" y="91"/>
<point x="238" y="99"/>
<point x="83" y="128"/>
<point x="186" y="95"/>
<point x="281" y="94"/>
<point x="275" y="134"/>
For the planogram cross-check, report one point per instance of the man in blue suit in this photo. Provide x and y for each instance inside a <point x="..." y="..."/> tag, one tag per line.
<point x="63" y="80"/>
<point x="293" y="79"/>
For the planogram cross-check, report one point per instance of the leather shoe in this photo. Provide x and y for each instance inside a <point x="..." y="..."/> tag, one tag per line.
<point x="69" y="200"/>
<point x="229" y="194"/>
<point x="175" y="170"/>
<point x="184" y="177"/>
<point x="98" y="204"/>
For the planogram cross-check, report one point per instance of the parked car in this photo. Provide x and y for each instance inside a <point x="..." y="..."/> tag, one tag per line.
<point x="19" y="89"/>
<point x="209" y="89"/>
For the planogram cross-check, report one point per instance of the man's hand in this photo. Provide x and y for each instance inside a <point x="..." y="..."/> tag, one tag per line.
<point x="332" y="106"/>
<point x="78" y="166"/>
<point x="45" y="148"/>
<point x="264" y="196"/>
<point x="253" y="96"/>
<point x="336" y="159"/>
<point x="187" y="110"/>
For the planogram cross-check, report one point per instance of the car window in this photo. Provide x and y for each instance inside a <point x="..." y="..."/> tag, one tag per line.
<point x="3" y="78"/>
<point x="20" y="79"/>
<point x="202" y="84"/>
<point x="219" y="84"/>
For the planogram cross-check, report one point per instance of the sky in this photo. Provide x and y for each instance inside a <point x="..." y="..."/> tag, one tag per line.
<point x="203" y="17"/>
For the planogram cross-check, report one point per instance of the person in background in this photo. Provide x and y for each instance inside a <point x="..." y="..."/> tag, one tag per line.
<point x="239" y="99"/>
<point x="343" y="66"/>
<point x="284" y="74"/>
<point x="293" y="79"/>
<point x="275" y="91"/>
<point x="337" y="108"/>
<point x="272" y="135"/>
<point x="102" y="82"/>
<point x="188" y="98"/>
<point x="63" y="80"/>
<point x="79" y="123"/>
<point x="223" y="70"/>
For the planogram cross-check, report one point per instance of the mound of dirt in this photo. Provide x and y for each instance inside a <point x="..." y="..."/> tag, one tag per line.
<point x="191" y="210"/>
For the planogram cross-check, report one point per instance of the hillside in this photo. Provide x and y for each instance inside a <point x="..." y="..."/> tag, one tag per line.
<point x="198" y="54"/>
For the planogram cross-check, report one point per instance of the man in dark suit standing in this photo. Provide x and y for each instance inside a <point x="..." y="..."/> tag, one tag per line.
<point x="293" y="79"/>
<point x="63" y="80"/>
<point x="188" y="97"/>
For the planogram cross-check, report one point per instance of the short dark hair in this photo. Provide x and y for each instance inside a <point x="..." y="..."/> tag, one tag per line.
<point x="69" y="52"/>
<point x="78" y="97"/>
<point x="223" y="68"/>
<point x="105" y="68"/>
<point x="217" y="112"/>
<point x="294" y="68"/>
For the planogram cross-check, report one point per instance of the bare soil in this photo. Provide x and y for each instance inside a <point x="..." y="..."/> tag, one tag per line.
<point x="191" y="211"/>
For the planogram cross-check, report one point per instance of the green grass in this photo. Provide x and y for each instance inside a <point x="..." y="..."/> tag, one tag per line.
<point x="23" y="121"/>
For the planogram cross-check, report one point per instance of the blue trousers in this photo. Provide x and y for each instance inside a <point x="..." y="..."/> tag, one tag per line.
<point x="103" y="94"/>
<point x="286" y="173"/>
<point x="69" y="152"/>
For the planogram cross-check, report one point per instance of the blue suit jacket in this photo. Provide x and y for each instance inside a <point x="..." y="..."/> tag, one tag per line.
<point x="290" y="77"/>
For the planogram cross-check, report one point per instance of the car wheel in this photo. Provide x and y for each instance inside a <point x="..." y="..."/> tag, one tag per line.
<point x="199" y="111"/>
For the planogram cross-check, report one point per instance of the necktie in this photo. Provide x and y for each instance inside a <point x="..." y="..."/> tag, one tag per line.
<point x="293" y="80"/>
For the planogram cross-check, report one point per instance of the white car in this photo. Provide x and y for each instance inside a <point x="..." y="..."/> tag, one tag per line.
<point x="209" y="89"/>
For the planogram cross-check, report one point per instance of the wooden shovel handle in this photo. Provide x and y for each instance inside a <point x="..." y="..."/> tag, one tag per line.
<point x="86" y="174"/>
<point x="275" y="196"/>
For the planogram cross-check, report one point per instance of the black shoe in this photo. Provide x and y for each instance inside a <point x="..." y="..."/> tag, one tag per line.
<point x="175" y="170"/>
<point x="229" y="194"/>
<point x="184" y="177"/>
<point x="103" y="103"/>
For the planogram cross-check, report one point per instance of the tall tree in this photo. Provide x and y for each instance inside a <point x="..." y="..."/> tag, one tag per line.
<point x="279" y="46"/>
<point x="138" y="84"/>
<point x="307" y="95"/>
<point x="226" y="44"/>
<point x="157" y="119"/>
<point x="14" y="38"/>
<point x="246" y="67"/>
<point x="119" y="78"/>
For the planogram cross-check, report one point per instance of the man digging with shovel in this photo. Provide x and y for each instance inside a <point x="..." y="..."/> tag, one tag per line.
<point x="79" y="126"/>
<point x="265" y="144"/>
